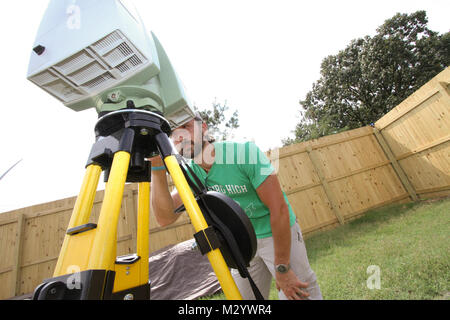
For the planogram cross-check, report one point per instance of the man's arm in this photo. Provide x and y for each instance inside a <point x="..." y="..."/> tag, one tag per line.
<point x="271" y="195"/>
<point x="162" y="202"/>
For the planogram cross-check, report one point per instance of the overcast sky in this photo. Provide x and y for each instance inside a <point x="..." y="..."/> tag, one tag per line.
<point x="260" y="56"/>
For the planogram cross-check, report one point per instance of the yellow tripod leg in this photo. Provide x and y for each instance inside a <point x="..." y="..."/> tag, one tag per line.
<point x="103" y="252"/>
<point x="198" y="221"/>
<point x="143" y="220"/>
<point x="136" y="274"/>
<point x="80" y="215"/>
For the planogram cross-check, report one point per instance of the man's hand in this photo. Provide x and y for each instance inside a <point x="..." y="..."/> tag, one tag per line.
<point x="291" y="285"/>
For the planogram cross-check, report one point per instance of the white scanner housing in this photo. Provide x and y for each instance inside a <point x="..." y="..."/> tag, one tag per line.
<point x="98" y="54"/>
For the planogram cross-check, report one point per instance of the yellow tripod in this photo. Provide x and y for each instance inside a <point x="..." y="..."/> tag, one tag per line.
<point x="87" y="267"/>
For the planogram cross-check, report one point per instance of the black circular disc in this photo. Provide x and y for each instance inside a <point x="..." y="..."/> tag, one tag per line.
<point x="230" y="214"/>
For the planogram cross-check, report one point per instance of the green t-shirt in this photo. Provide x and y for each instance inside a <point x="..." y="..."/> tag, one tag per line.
<point x="238" y="170"/>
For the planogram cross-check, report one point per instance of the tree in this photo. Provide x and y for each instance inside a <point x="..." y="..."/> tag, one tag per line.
<point x="372" y="75"/>
<point x="220" y="126"/>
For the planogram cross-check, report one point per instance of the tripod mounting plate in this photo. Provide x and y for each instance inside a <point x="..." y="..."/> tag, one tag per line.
<point x="131" y="130"/>
<point x="113" y="121"/>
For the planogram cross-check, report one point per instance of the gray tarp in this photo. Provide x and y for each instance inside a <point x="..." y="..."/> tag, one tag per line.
<point x="179" y="272"/>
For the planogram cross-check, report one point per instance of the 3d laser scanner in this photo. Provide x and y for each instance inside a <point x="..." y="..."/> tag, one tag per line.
<point x="98" y="54"/>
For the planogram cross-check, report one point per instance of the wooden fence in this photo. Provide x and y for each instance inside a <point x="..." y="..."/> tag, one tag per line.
<point x="333" y="179"/>
<point x="328" y="182"/>
<point x="416" y="136"/>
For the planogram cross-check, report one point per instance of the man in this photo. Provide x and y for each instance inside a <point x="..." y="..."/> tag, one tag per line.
<point x="242" y="172"/>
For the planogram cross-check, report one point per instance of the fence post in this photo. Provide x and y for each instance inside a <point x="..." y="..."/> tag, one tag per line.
<point x="326" y="187"/>
<point x="397" y="167"/>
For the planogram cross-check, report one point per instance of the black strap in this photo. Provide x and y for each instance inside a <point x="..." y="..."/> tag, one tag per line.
<point x="197" y="191"/>
<point x="207" y="240"/>
<point x="256" y="292"/>
<point x="199" y="187"/>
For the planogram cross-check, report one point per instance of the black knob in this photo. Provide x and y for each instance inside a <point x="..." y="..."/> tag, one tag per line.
<point x="39" y="50"/>
<point x="130" y="104"/>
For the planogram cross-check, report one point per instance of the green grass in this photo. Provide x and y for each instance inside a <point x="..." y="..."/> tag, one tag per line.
<point x="408" y="242"/>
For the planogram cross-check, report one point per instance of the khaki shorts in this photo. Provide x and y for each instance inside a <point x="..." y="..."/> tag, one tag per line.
<point x="262" y="268"/>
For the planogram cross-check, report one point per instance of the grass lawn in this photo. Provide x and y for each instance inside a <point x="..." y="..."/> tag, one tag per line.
<point x="408" y="243"/>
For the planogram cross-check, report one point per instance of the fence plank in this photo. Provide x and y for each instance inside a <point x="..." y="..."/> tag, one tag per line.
<point x="132" y="212"/>
<point x="328" y="192"/>
<point x="15" y="279"/>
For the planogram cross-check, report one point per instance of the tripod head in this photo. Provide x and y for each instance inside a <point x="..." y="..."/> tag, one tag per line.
<point x="141" y="133"/>
<point x="98" y="54"/>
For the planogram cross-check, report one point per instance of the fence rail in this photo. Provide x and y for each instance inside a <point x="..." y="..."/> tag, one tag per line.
<point x="328" y="182"/>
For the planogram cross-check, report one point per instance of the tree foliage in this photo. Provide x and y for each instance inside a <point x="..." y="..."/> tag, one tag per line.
<point x="372" y="75"/>
<point x="220" y="124"/>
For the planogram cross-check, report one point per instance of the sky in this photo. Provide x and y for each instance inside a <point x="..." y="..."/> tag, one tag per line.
<point x="261" y="57"/>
